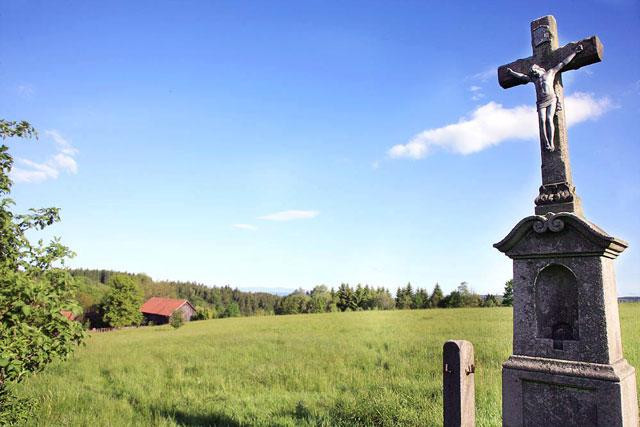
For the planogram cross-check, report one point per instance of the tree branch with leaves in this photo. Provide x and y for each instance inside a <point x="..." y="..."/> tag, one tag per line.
<point x="34" y="290"/>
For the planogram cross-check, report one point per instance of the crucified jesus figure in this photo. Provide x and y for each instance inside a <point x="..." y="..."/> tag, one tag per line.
<point x="546" y="98"/>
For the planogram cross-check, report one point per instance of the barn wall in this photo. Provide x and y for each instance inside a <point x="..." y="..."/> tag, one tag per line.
<point x="187" y="312"/>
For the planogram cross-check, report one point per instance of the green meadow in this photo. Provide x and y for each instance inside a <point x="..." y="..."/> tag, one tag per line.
<point x="357" y="368"/>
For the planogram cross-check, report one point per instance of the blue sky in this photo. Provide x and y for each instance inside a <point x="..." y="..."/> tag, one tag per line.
<point x="287" y="144"/>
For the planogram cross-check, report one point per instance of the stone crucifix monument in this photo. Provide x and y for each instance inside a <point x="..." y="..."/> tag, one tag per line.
<point x="567" y="366"/>
<point x="557" y="193"/>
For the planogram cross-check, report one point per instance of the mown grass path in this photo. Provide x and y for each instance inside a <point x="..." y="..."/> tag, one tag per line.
<point x="360" y="368"/>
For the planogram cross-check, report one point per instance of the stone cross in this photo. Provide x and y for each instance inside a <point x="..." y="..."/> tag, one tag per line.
<point x="543" y="68"/>
<point x="458" y="384"/>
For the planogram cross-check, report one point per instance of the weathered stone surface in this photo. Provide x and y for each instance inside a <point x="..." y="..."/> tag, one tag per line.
<point x="565" y="299"/>
<point x="559" y="235"/>
<point x="567" y="367"/>
<point x="458" y="384"/>
<point x="547" y="392"/>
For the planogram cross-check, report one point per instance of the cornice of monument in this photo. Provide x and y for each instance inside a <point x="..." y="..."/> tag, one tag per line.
<point x="614" y="372"/>
<point x="604" y="244"/>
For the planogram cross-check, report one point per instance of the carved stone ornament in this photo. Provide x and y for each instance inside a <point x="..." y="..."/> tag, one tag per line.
<point x="527" y="238"/>
<point x="550" y="223"/>
<point x="555" y="193"/>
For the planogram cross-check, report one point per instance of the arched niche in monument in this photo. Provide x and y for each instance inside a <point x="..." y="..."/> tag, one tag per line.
<point x="556" y="296"/>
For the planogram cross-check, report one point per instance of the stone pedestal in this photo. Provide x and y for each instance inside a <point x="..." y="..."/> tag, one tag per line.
<point x="567" y="367"/>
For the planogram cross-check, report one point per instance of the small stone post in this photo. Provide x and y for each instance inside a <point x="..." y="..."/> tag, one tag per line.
<point x="458" y="384"/>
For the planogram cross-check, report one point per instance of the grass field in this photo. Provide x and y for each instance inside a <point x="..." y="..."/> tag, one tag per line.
<point x="367" y="368"/>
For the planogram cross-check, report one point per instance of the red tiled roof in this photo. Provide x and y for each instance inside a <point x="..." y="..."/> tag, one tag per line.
<point x="162" y="306"/>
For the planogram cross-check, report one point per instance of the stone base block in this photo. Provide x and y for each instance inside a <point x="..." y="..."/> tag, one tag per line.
<point x="549" y="392"/>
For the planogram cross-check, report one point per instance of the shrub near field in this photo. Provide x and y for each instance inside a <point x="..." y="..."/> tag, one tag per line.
<point x="367" y="368"/>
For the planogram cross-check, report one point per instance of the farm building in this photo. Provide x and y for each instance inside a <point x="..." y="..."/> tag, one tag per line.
<point x="158" y="310"/>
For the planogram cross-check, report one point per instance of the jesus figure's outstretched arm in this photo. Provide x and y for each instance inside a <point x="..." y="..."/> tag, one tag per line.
<point x="568" y="59"/>
<point x="519" y="76"/>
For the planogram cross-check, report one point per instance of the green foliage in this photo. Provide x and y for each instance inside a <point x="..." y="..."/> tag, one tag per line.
<point x="463" y="296"/>
<point x="383" y="300"/>
<point x="121" y="306"/>
<point x="204" y="313"/>
<point x="89" y="293"/>
<point x="490" y="301"/>
<point x="404" y="297"/>
<point x="232" y="310"/>
<point x="33" y="332"/>
<point x="436" y="296"/>
<point x="320" y="300"/>
<point x="176" y="319"/>
<point x="421" y="299"/>
<point x="346" y="298"/>
<point x="14" y="410"/>
<point x="22" y="129"/>
<point x="507" y="296"/>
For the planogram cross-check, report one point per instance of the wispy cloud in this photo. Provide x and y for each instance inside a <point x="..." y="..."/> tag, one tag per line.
<point x="485" y="75"/>
<point x="492" y="124"/>
<point x="245" y="227"/>
<point x="63" y="145"/>
<point x="62" y="161"/>
<point x="476" y="93"/>
<point x="290" y="215"/>
<point x="26" y="90"/>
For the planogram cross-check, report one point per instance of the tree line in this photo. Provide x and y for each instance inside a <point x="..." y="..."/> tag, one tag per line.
<point x="111" y="298"/>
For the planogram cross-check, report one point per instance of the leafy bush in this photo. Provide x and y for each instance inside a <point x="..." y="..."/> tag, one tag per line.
<point x="176" y="320"/>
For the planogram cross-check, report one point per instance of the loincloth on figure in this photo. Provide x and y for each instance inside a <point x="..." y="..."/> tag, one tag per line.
<point x="545" y="101"/>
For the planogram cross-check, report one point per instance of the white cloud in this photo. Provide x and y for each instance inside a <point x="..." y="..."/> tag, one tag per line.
<point x="290" y="215"/>
<point x="492" y="124"/>
<point x="62" y="161"/>
<point x="245" y="227"/>
<point x="475" y="88"/>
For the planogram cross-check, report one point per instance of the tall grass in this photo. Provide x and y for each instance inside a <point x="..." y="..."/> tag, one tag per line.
<point x="368" y="368"/>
